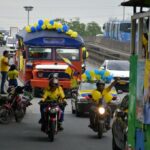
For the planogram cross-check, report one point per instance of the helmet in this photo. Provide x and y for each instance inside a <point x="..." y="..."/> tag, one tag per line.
<point x="54" y="82"/>
<point x="100" y="82"/>
<point x="53" y="75"/>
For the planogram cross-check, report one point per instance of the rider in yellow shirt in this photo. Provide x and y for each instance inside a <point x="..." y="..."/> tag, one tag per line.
<point x="54" y="92"/>
<point x="98" y="95"/>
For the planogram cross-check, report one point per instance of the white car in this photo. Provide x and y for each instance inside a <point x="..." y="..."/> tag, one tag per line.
<point x="118" y="68"/>
<point x="11" y="45"/>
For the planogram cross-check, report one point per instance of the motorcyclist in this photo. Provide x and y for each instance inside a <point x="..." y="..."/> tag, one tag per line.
<point x="53" y="92"/>
<point x="98" y="96"/>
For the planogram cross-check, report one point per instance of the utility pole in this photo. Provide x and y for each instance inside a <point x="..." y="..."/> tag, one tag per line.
<point x="28" y="9"/>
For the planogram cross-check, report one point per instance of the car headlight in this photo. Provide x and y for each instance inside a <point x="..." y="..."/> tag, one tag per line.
<point x="40" y="74"/>
<point x="101" y="110"/>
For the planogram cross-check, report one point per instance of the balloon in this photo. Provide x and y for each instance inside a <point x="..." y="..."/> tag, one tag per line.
<point x="38" y="28"/>
<point x="58" y="25"/>
<point x="92" y="74"/>
<point x="40" y="22"/>
<point x="101" y="72"/>
<point x="59" y="30"/>
<point x="83" y="49"/>
<point x="96" y="71"/>
<point x="88" y="75"/>
<point x="35" y="25"/>
<point x="108" y="97"/>
<point x="107" y="73"/>
<point x="43" y="26"/>
<point x="74" y="34"/>
<point x="65" y="28"/>
<point x="54" y="25"/>
<point x="87" y="54"/>
<point x="98" y="77"/>
<point x="46" y="21"/>
<point x="83" y="77"/>
<point x="69" y="32"/>
<point x="33" y="29"/>
<point x="51" y="22"/>
<point x="28" y="29"/>
<point x="109" y="78"/>
<point x="49" y="26"/>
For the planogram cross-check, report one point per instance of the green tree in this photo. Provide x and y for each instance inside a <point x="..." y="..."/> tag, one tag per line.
<point x="93" y="29"/>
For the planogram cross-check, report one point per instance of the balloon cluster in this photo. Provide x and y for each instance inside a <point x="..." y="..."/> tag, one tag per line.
<point x="85" y="50"/>
<point x="51" y="25"/>
<point x="96" y="74"/>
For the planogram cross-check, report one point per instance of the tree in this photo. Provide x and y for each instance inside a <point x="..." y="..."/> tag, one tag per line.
<point x="93" y="29"/>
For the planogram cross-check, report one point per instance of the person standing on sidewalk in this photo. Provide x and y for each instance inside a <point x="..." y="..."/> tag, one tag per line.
<point x="4" y="67"/>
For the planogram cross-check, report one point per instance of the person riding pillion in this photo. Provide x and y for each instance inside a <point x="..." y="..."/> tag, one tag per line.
<point x="54" y="92"/>
<point x="100" y="94"/>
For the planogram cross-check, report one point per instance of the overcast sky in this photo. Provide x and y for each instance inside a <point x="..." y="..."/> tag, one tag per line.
<point x="12" y="12"/>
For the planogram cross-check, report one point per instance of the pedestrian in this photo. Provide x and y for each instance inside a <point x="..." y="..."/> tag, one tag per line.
<point x="12" y="76"/>
<point x="4" y="67"/>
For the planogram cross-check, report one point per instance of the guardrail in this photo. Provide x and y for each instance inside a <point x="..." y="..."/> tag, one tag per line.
<point x="100" y="49"/>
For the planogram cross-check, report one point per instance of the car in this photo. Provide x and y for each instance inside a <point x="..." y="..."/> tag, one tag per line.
<point x="118" y="68"/>
<point x="120" y="125"/>
<point x="82" y="102"/>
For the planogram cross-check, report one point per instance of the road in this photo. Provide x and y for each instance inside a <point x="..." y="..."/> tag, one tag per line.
<point x="27" y="135"/>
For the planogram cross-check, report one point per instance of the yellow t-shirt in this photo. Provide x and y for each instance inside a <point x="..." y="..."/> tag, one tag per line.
<point x="3" y="66"/>
<point x="96" y="95"/>
<point x="53" y="95"/>
<point x="13" y="74"/>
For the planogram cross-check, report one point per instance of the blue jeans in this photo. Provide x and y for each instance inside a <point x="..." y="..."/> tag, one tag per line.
<point x="4" y="77"/>
<point x="13" y="82"/>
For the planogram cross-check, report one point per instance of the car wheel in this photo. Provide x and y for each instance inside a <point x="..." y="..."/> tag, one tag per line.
<point x="114" y="146"/>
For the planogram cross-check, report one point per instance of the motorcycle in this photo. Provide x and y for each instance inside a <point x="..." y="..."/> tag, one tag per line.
<point x="52" y="114"/>
<point x="101" y="123"/>
<point x="15" y="105"/>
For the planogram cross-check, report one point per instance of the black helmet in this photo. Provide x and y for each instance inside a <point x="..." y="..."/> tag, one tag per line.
<point x="100" y="82"/>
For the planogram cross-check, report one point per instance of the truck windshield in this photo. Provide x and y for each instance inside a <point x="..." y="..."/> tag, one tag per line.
<point x="39" y="53"/>
<point x="71" y="54"/>
<point x="125" y="27"/>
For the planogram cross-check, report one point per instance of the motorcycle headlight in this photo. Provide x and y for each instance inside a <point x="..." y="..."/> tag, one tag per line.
<point x="101" y="110"/>
<point x="40" y="74"/>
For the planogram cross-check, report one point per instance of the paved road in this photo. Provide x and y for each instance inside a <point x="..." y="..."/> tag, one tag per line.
<point x="27" y="135"/>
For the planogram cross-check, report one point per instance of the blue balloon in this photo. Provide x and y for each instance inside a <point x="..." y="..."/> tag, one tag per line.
<point x="109" y="78"/>
<point x="59" y="30"/>
<point x="33" y="29"/>
<point x="38" y="28"/>
<point x="96" y="71"/>
<point x="102" y="72"/>
<point x="40" y="22"/>
<point x="87" y="73"/>
<point x="65" y="28"/>
<point x="51" y="22"/>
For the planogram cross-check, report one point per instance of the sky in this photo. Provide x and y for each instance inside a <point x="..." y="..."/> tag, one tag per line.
<point x="13" y="14"/>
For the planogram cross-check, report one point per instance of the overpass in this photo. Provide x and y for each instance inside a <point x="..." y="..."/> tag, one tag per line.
<point x="100" y="48"/>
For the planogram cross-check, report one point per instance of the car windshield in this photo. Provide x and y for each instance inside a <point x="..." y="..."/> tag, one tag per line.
<point x="118" y="65"/>
<point x="71" y="54"/>
<point x="39" y="53"/>
<point x="88" y="86"/>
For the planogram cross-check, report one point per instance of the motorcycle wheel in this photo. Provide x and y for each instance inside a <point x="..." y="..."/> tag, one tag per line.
<point x="51" y="132"/>
<point x="5" y="116"/>
<point x="19" y="114"/>
<point x="114" y="146"/>
<point x="100" y="130"/>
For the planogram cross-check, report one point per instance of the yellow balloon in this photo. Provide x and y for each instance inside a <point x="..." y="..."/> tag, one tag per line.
<point x="98" y="77"/>
<point x="28" y="29"/>
<point x="83" y="77"/>
<point x="107" y="73"/>
<point x="92" y="74"/>
<point x="87" y="54"/>
<point x="74" y="34"/>
<point x="54" y="25"/>
<point x="35" y="25"/>
<point x="49" y="26"/>
<point x="46" y="21"/>
<point x="69" y="32"/>
<point x="83" y="48"/>
<point x="59" y="25"/>
<point x="108" y="97"/>
<point x="43" y="26"/>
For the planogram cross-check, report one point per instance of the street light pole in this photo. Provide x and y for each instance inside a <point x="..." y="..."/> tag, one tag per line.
<point x="123" y="12"/>
<point x="28" y="9"/>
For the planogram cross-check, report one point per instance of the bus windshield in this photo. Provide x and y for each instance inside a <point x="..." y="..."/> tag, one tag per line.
<point x="39" y="53"/>
<point x="125" y="27"/>
<point x="71" y="54"/>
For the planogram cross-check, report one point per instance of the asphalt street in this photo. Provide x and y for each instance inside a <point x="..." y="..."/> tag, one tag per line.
<point x="27" y="135"/>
